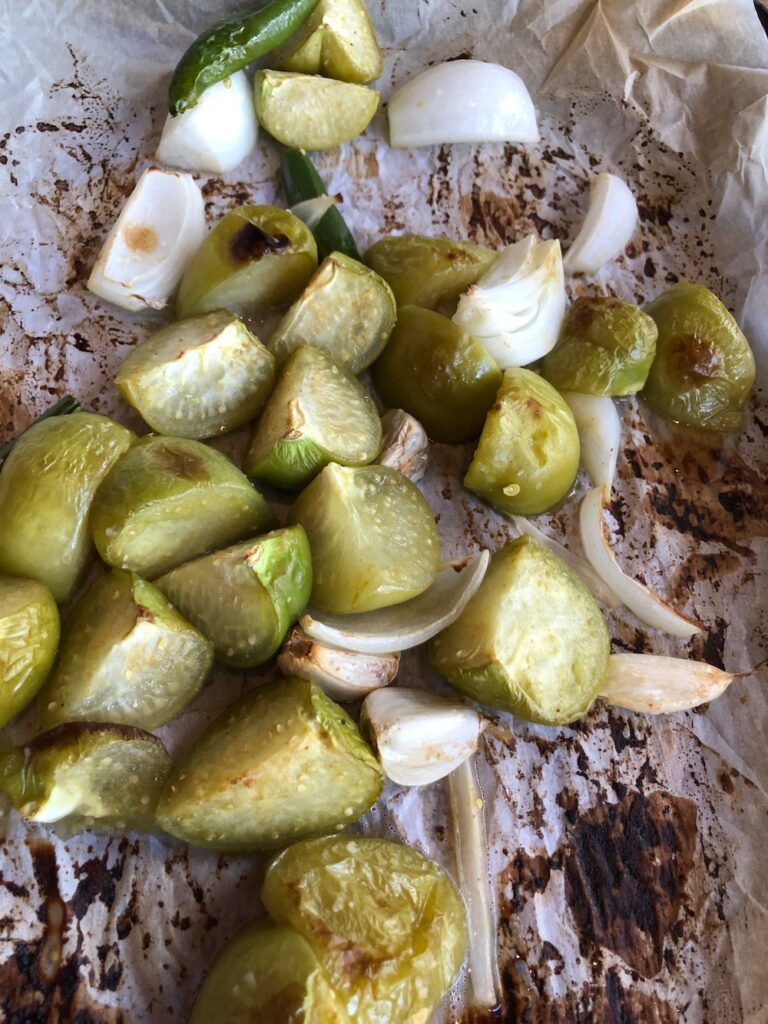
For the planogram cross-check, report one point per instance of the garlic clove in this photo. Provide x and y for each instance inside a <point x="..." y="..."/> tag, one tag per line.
<point x="655" y="684"/>
<point x="405" y="445"/>
<point x="343" y="675"/>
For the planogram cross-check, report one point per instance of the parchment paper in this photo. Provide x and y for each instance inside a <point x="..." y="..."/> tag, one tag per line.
<point x="629" y="852"/>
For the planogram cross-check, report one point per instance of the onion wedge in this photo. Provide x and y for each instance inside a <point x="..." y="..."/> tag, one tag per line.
<point x="216" y="134"/>
<point x="646" y="605"/>
<point x="599" y="427"/>
<point x="406" y="625"/>
<point x="462" y="101"/>
<point x="471" y="845"/>
<point x="145" y="254"/>
<point x="420" y="737"/>
<point x="610" y="223"/>
<point x="580" y="566"/>
<point x="311" y="211"/>
<point x="655" y="685"/>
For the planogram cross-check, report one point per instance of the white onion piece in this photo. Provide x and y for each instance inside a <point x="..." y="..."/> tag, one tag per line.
<point x="654" y="684"/>
<point x="217" y="133"/>
<point x="646" y="604"/>
<point x="610" y="223"/>
<point x="462" y="101"/>
<point x="471" y="845"/>
<point x="147" y="250"/>
<point x="580" y="566"/>
<point x="419" y="736"/>
<point x="516" y="309"/>
<point x="343" y="675"/>
<point x="406" y="625"/>
<point x="599" y="429"/>
<point x="312" y="211"/>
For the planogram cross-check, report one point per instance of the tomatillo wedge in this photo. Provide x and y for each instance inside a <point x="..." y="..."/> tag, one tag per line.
<point x="282" y="763"/>
<point x="309" y="112"/>
<point x="398" y="913"/>
<point x="81" y="775"/>
<point x="29" y="638"/>
<point x="528" y="454"/>
<point x="317" y="414"/>
<point x="46" y="490"/>
<point x="171" y="499"/>
<point x="245" y="598"/>
<point x="255" y="258"/>
<point x="373" y="538"/>
<point x="346" y="309"/>
<point x="434" y="370"/>
<point x="198" y="378"/>
<point x="704" y="369"/>
<point x="338" y="41"/>
<point x="267" y="974"/>
<point x="606" y="347"/>
<point x="428" y="272"/>
<point x="127" y="656"/>
<point x="532" y="640"/>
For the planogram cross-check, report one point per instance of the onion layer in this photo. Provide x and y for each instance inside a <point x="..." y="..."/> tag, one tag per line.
<point x="599" y="429"/>
<point x="646" y="605"/>
<point x="610" y="223"/>
<point x="462" y="101"/>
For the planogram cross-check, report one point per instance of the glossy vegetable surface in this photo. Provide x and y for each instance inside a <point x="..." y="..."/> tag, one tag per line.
<point x="47" y="486"/>
<point x="302" y="182"/>
<point x="606" y="347"/>
<point x="428" y="272"/>
<point x="256" y="257"/>
<point x="282" y="763"/>
<point x="317" y="414"/>
<point x="29" y="638"/>
<point x="267" y="975"/>
<point x="246" y="597"/>
<point x="232" y="44"/>
<point x="346" y="310"/>
<point x="170" y="499"/>
<point x="528" y="453"/>
<point x="127" y="656"/>
<point x="198" y="378"/>
<point x="435" y="371"/>
<point x="64" y="407"/>
<point x="704" y="369"/>
<point x="309" y="112"/>
<point x="387" y="924"/>
<point x="337" y="41"/>
<point x="531" y="641"/>
<point x="372" y="535"/>
<point x="87" y="776"/>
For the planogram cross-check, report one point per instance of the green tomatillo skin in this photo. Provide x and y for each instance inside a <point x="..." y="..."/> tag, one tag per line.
<point x="606" y="347"/>
<point x="435" y="371"/>
<point x="29" y="638"/>
<point x="704" y="369"/>
<point x="232" y="44"/>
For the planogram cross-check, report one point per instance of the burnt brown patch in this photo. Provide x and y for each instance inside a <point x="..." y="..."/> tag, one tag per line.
<point x="491" y="218"/>
<point x="140" y="238"/>
<point x="180" y="462"/>
<point x="249" y="243"/>
<point x="524" y="874"/>
<point x="625" y="875"/>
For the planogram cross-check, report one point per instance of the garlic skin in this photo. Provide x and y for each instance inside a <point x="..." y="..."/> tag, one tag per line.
<point x="655" y="685"/>
<point x="343" y="675"/>
<point x="419" y="736"/>
<point x="405" y="445"/>
<point x="610" y="223"/>
<point x="599" y="427"/>
<point x="462" y="101"/>
<point x="145" y="254"/>
<point x="517" y="307"/>
<point x="215" y="135"/>
<point x="644" y="602"/>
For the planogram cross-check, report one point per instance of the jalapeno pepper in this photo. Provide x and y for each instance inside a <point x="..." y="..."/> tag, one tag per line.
<point x="301" y="181"/>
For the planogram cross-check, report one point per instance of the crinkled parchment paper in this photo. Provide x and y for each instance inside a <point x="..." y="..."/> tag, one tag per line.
<point x="630" y="853"/>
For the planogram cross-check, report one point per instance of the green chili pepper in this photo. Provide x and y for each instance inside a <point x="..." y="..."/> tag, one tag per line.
<point x="232" y="44"/>
<point x="301" y="181"/>
<point x="63" y="407"/>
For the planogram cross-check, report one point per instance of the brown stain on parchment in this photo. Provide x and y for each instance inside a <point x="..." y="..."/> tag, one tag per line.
<point x="625" y="875"/>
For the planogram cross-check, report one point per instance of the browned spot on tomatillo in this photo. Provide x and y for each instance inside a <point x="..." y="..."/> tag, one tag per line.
<point x="693" y="361"/>
<point x="250" y="243"/>
<point x="180" y="462"/>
